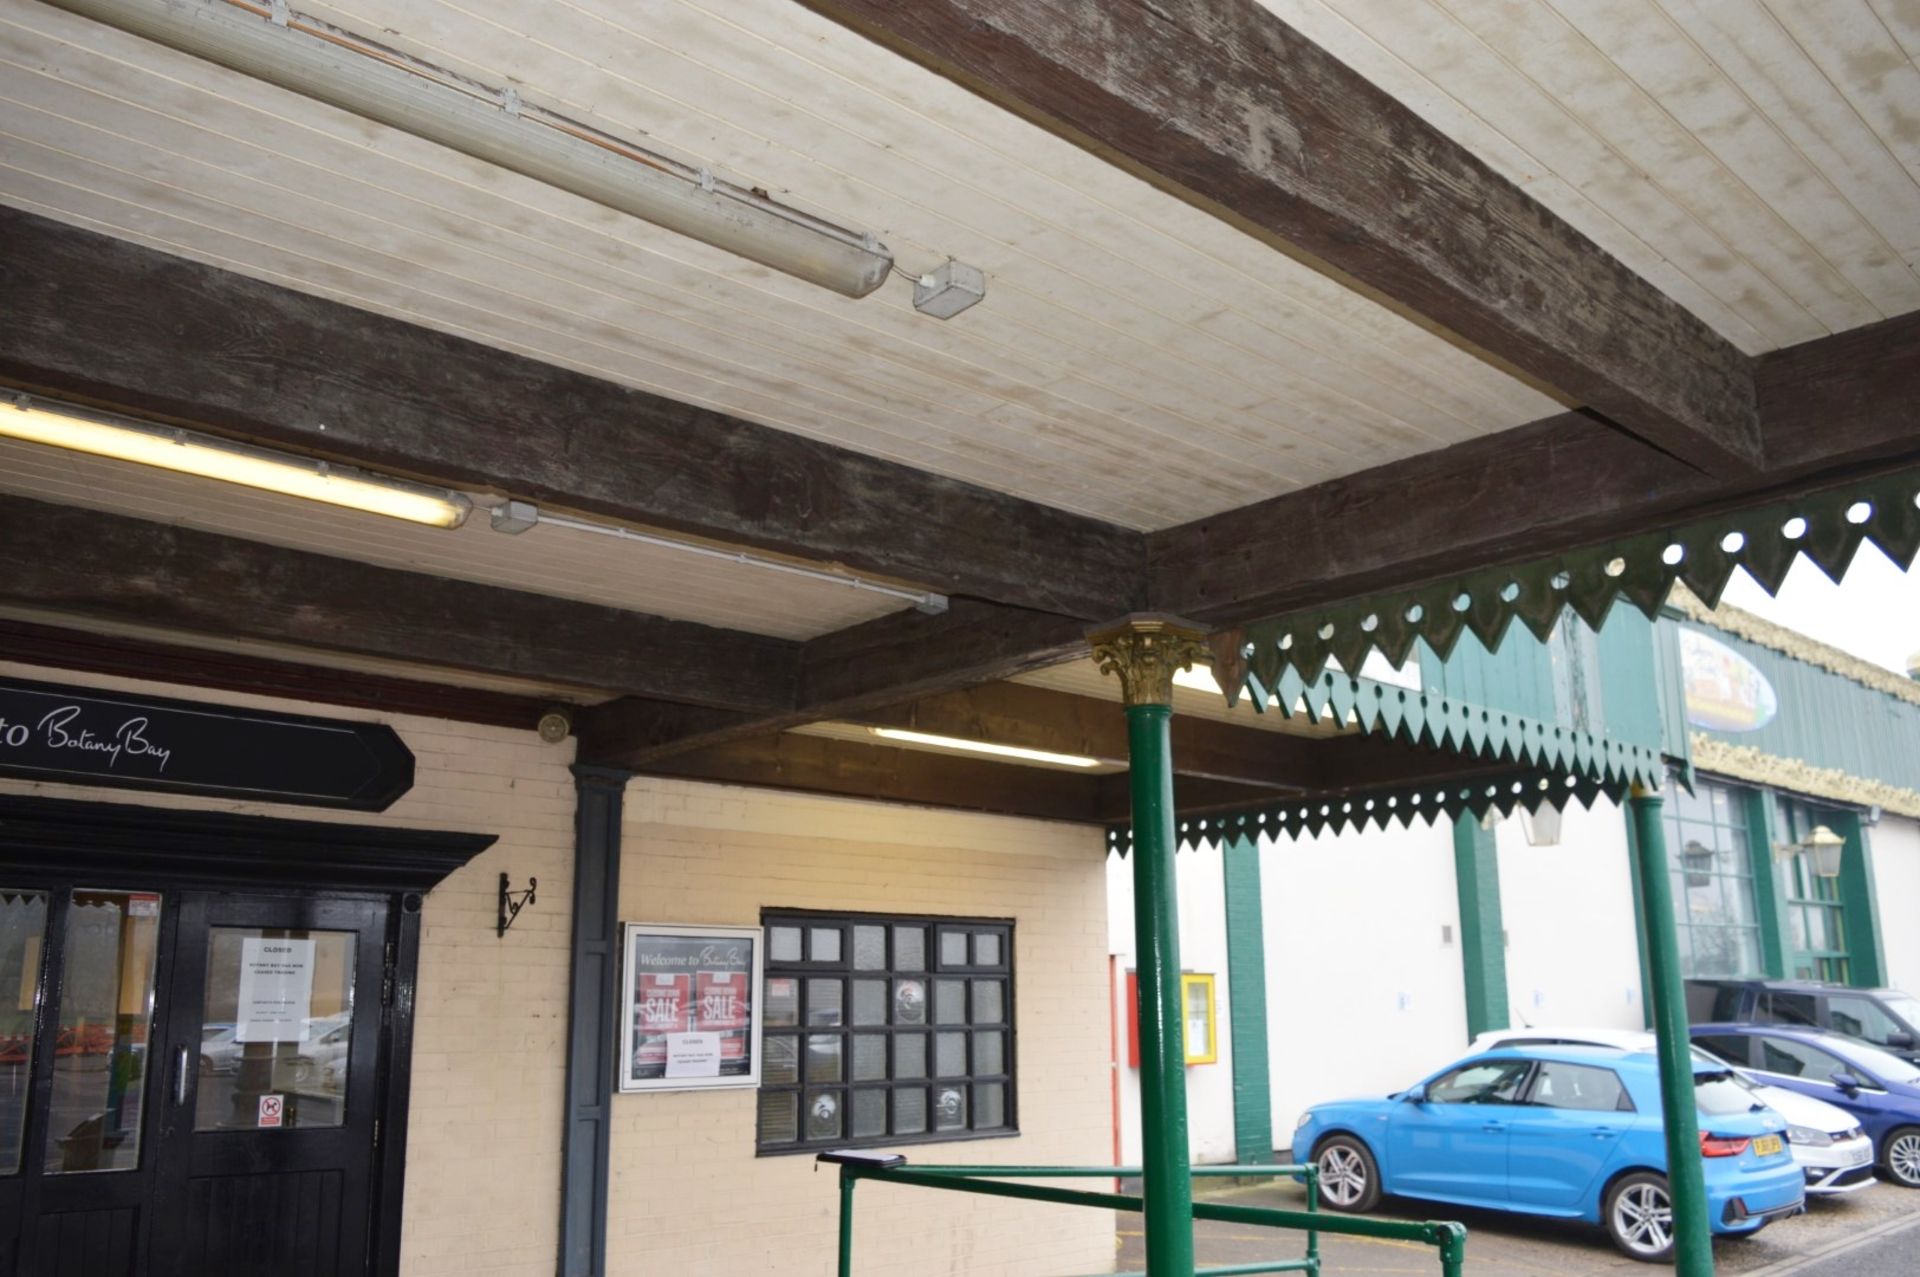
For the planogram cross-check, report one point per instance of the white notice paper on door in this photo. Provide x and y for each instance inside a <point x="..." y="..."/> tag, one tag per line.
<point x="693" y="1055"/>
<point x="276" y="990"/>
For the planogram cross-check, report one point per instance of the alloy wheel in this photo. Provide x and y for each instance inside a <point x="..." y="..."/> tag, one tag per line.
<point x="1343" y="1176"/>
<point x="1643" y="1219"/>
<point x="1903" y="1158"/>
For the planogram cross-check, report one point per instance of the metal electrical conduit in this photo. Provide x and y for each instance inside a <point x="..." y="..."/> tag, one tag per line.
<point x="311" y="57"/>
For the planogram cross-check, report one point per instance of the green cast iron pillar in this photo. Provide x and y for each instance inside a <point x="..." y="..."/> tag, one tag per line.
<point x="1145" y="651"/>
<point x="1686" y="1182"/>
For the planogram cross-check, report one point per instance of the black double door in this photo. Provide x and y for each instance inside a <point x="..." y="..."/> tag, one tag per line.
<point x="190" y="1081"/>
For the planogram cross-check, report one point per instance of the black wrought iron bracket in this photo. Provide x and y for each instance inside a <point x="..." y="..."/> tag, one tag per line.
<point x="512" y="902"/>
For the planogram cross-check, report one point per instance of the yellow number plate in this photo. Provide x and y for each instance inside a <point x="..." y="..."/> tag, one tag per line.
<point x="1767" y="1145"/>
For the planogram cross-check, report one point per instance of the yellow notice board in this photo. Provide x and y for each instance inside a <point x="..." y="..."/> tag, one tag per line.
<point x="1196" y="1015"/>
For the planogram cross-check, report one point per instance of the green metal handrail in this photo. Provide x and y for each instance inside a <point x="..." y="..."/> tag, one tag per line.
<point x="1450" y="1239"/>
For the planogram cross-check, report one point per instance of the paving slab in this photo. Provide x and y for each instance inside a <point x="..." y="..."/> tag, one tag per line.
<point x="1871" y="1233"/>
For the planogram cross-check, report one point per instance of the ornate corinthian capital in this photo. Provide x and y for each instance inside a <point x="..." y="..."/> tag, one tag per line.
<point x="1145" y="650"/>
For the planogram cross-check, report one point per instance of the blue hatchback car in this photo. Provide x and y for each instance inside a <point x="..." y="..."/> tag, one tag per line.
<point x="1571" y="1132"/>
<point x="1876" y="1086"/>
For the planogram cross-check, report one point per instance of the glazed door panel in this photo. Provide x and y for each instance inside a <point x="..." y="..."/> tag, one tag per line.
<point x="273" y="1058"/>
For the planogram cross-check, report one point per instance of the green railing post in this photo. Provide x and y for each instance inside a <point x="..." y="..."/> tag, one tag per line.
<point x="1145" y="651"/>
<point x="848" y="1178"/>
<point x="1686" y="1182"/>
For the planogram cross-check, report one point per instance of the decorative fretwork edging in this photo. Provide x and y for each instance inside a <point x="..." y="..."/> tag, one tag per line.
<point x="1796" y="775"/>
<point x="1432" y="721"/>
<point x="1827" y="527"/>
<point x="1384" y="806"/>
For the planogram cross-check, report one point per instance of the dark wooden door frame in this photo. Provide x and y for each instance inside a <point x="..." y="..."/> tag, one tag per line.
<point x="52" y="842"/>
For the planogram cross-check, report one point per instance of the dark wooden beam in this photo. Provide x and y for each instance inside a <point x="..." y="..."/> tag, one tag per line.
<point x="63" y="559"/>
<point x="59" y="648"/>
<point x="821" y="765"/>
<point x="1832" y="410"/>
<point x="882" y="662"/>
<point x="1226" y="106"/>
<point x="112" y="323"/>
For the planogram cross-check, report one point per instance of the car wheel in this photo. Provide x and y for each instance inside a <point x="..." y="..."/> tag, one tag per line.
<point x="1349" y="1177"/>
<point x="1901" y="1157"/>
<point x="206" y="1065"/>
<point x="1639" y="1217"/>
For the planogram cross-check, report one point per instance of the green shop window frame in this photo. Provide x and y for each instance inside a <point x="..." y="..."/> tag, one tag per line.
<point x="861" y="1009"/>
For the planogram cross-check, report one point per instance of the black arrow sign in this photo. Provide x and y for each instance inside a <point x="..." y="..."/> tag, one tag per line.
<point x="89" y="737"/>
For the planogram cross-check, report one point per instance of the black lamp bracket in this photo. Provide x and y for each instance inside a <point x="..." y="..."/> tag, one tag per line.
<point x="512" y="902"/>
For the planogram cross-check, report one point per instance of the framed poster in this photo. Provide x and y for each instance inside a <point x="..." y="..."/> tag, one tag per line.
<point x="689" y="1007"/>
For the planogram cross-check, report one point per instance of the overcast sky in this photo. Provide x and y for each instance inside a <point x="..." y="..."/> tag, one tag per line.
<point x="1874" y="613"/>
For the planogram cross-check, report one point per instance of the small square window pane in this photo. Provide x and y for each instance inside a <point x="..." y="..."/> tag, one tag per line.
<point x="909" y="948"/>
<point x="783" y="944"/>
<point x="950" y="1054"/>
<point x="823" y="944"/>
<point x="869" y="1057"/>
<point x="909" y="1111"/>
<point x="953" y="948"/>
<point x="782" y="1064"/>
<point x="869" y="1112"/>
<point x="989" y="1106"/>
<point x="823" y="1001"/>
<point x="989" y="1052"/>
<point x="823" y="1115"/>
<point x="909" y="1055"/>
<point x="779" y="1117"/>
<point x="950" y="1108"/>
<point x="909" y="1001"/>
<point x="869" y="948"/>
<point x="989" y="1006"/>
<point x="949" y="1002"/>
<point x="823" y="1057"/>
<point x="986" y="949"/>
<point x="783" y="1002"/>
<point x="869" y="1001"/>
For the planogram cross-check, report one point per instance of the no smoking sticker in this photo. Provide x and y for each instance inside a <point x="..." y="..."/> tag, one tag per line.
<point x="272" y="1109"/>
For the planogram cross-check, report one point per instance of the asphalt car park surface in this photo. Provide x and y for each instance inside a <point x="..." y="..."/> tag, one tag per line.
<point x="1871" y="1233"/>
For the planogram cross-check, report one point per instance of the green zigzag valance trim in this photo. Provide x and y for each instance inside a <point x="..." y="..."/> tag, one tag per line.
<point x="1385" y="806"/>
<point x="1433" y="721"/>
<point x="1827" y="527"/>
<point x="1551" y="764"/>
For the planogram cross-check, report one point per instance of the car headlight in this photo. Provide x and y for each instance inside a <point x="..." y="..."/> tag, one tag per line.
<point x="1807" y="1135"/>
<point x="1304" y="1119"/>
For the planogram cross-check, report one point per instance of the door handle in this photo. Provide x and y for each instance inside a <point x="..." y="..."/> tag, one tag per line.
<point x="180" y="1076"/>
<point x="1494" y="1128"/>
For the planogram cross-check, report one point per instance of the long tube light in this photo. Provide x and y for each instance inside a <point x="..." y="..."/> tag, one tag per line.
<point x="522" y="515"/>
<point x="188" y="452"/>
<point x="906" y="737"/>
<point x="314" y="58"/>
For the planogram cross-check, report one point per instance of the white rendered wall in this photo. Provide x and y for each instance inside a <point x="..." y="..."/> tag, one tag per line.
<point x="1572" y="955"/>
<point x="1896" y="885"/>
<point x="1203" y="950"/>
<point x="1364" y="995"/>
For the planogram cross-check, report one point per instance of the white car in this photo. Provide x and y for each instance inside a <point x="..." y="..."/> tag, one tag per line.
<point x="1829" y="1145"/>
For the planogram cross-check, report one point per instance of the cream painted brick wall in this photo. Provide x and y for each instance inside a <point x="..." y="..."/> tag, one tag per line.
<point x="489" y="1058"/>
<point x="688" y="1194"/>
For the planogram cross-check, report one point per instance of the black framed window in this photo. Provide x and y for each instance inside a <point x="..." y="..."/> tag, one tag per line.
<point x="885" y="1029"/>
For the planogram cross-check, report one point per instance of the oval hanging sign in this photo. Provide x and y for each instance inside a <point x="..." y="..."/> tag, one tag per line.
<point x="1725" y="691"/>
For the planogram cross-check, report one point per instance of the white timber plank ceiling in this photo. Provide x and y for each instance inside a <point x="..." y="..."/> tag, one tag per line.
<point x="560" y="561"/>
<point x="1135" y="359"/>
<point x="1757" y="160"/>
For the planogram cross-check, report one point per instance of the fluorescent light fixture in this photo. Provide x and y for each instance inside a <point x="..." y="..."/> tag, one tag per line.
<point x="306" y="55"/>
<point x="186" y="452"/>
<point x="906" y="737"/>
